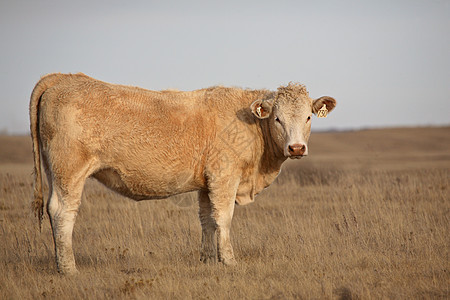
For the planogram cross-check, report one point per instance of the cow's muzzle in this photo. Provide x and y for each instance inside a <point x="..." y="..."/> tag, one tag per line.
<point x="297" y="151"/>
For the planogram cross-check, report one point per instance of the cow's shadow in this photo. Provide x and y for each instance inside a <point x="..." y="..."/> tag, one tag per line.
<point x="245" y="115"/>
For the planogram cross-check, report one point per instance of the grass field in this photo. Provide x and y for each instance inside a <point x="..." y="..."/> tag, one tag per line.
<point x="365" y="216"/>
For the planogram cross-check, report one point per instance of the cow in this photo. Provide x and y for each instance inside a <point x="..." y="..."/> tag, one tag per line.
<point x="226" y="143"/>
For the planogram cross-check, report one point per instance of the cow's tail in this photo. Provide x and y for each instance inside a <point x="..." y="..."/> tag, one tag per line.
<point x="43" y="84"/>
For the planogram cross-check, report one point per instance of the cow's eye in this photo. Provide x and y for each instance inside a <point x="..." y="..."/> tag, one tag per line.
<point x="277" y="119"/>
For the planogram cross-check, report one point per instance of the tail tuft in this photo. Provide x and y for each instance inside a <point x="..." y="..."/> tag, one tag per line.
<point x="38" y="208"/>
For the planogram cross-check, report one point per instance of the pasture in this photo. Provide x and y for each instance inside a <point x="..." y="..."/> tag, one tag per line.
<point x="365" y="216"/>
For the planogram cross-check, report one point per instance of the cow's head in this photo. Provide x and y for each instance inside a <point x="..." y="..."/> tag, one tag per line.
<point x="288" y="115"/>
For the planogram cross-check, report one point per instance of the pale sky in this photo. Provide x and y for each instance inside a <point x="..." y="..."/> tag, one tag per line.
<point x="386" y="62"/>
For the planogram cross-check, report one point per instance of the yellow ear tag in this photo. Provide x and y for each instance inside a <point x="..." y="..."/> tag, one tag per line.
<point x="322" y="113"/>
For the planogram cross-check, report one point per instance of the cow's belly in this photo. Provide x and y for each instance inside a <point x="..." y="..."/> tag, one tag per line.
<point x="140" y="186"/>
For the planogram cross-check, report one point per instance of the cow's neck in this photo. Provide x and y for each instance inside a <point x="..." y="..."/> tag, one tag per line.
<point x="272" y="157"/>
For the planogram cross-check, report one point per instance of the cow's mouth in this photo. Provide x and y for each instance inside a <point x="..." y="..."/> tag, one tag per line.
<point x="296" y="156"/>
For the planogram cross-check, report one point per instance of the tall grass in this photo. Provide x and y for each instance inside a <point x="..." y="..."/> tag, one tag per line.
<point x="321" y="231"/>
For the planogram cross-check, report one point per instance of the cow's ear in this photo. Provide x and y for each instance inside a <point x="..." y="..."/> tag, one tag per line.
<point x="262" y="108"/>
<point x="318" y="104"/>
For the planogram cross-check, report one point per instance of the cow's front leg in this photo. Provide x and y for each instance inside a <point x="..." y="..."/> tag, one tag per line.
<point x="222" y="201"/>
<point x="224" y="247"/>
<point x="208" y="248"/>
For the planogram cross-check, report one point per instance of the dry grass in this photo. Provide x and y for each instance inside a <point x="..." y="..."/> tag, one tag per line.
<point x="365" y="216"/>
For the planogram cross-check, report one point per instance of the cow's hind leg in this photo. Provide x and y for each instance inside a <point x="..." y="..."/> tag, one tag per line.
<point x="208" y="248"/>
<point x="62" y="208"/>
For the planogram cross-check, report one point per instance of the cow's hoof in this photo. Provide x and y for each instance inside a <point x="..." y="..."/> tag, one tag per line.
<point x="68" y="272"/>
<point x="208" y="259"/>
<point x="229" y="261"/>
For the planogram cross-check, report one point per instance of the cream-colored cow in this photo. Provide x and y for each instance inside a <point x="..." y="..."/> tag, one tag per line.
<point x="226" y="143"/>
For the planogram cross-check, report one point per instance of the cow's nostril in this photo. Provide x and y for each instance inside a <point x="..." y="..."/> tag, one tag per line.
<point x="297" y="149"/>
